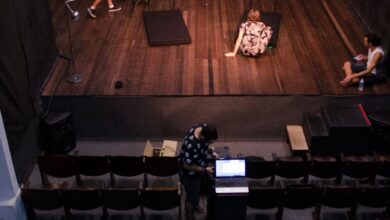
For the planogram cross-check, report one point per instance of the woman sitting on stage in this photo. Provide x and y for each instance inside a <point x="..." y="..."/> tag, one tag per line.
<point x="253" y="37"/>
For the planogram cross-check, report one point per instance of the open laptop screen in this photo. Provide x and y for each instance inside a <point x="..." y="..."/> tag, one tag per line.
<point x="230" y="168"/>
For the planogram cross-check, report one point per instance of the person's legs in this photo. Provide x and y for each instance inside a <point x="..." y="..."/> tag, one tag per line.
<point x="109" y="2"/>
<point x="192" y="189"/>
<point x="349" y="69"/>
<point x="189" y="211"/>
<point x="371" y="79"/>
<point x="95" y="4"/>
<point x="91" y="10"/>
<point x="112" y="7"/>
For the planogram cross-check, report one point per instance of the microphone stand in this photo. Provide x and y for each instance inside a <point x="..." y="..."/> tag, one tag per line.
<point x="73" y="78"/>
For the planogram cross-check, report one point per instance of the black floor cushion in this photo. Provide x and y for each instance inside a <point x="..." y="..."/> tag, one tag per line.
<point x="166" y="28"/>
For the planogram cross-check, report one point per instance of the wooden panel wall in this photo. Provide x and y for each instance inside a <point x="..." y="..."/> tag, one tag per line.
<point x="375" y="14"/>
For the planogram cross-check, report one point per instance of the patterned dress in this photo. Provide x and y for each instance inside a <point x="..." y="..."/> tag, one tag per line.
<point x="255" y="39"/>
<point x="193" y="151"/>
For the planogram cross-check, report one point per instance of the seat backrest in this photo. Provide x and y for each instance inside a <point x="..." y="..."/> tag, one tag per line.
<point x="384" y="167"/>
<point x="325" y="167"/>
<point x="42" y="199"/>
<point x="126" y="165"/>
<point x="92" y="165"/>
<point x="360" y="166"/>
<point x="160" y="199"/>
<point x="341" y="196"/>
<point x="266" y="197"/>
<point x="302" y="196"/>
<point x="59" y="166"/>
<point x="291" y="167"/>
<point x="375" y="196"/>
<point x="121" y="199"/>
<point x="81" y="198"/>
<point x="258" y="168"/>
<point x="161" y="166"/>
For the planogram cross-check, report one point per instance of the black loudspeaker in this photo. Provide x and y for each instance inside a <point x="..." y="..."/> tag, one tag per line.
<point x="348" y="127"/>
<point x="380" y="136"/>
<point x="57" y="132"/>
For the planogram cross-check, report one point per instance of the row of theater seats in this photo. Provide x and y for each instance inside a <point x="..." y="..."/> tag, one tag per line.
<point x="110" y="200"/>
<point x="310" y="169"/>
<point x="81" y="166"/>
<point x="297" y="196"/>
<point x="260" y="195"/>
<point x="367" y="168"/>
<point x="356" y="199"/>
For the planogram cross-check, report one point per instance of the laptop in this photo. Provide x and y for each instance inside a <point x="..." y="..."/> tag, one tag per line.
<point x="230" y="176"/>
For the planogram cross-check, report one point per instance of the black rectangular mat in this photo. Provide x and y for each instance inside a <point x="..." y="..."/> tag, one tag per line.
<point x="166" y="28"/>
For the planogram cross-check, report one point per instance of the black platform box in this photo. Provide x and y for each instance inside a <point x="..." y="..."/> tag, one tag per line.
<point x="317" y="135"/>
<point x="348" y="127"/>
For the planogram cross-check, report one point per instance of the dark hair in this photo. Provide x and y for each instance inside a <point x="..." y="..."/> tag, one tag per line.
<point x="209" y="133"/>
<point x="373" y="39"/>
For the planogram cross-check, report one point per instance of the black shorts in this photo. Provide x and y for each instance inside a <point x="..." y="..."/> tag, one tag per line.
<point x="192" y="186"/>
<point x="369" y="78"/>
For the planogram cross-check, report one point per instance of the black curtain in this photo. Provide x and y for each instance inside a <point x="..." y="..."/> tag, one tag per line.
<point x="27" y="53"/>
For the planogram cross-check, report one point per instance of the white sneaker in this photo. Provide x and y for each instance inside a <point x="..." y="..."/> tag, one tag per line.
<point x="114" y="9"/>
<point x="92" y="12"/>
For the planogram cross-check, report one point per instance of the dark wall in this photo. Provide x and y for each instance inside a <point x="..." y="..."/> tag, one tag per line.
<point x="375" y="14"/>
<point x="27" y="53"/>
<point x="238" y="118"/>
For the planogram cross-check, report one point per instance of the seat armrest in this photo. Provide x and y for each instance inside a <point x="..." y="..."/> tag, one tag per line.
<point x="274" y="157"/>
<point x="179" y="188"/>
<point x="308" y="156"/>
<point x="64" y="185"/>
<point x="342" y="157"/>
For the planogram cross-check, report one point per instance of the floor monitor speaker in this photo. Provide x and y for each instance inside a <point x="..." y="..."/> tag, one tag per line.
<point x="57" y="132"/>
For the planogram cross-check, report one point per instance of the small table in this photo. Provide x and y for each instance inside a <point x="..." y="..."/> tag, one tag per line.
<point x="297" y="139"/>
<point x="222" y="206"/>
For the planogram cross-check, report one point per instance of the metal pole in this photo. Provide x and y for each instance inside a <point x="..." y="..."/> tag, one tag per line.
<point x="73" y="78"/>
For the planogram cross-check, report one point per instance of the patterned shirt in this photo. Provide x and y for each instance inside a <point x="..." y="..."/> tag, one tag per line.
<point x="193" y="152"/>
<point x="255" y="39"/>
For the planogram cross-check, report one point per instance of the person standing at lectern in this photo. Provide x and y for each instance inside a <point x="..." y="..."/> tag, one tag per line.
<point x="193" y="164"/>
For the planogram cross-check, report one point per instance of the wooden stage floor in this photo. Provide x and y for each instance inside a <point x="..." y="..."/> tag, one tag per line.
<point x="114" y="47"/>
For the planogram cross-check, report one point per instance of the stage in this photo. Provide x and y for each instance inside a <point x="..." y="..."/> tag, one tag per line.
<point x="169" y="88"/>
<point x="114" y="47"/>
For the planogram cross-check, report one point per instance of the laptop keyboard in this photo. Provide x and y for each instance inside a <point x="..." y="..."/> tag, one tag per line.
<point x="231" y="183"/>
<point x="231" y="190"/>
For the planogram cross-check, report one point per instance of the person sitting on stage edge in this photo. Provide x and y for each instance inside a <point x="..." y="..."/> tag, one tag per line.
<point x="253" y="37"/>
<point x="92" y="9"/>
<point x="365" y="67"/>
<point x="193" y="164"/>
